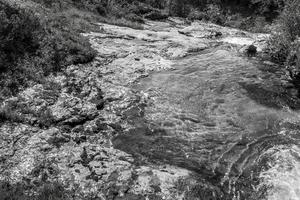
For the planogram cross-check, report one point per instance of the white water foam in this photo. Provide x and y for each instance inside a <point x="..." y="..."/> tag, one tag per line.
<point x="283" y="177"/>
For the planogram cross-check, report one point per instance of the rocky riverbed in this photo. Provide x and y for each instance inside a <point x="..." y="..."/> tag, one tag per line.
<point x="174" y="111"/>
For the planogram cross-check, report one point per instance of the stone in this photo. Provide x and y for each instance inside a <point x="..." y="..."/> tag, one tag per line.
<point x="251" y="50"/>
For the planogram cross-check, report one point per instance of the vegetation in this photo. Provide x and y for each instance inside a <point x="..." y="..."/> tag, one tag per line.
<point x="19" y="191"/>
<point x="284" y="46"/>
<point x="32" y="47"/>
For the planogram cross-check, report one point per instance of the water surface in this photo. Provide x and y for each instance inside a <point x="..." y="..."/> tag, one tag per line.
<point x="225" y="118"/>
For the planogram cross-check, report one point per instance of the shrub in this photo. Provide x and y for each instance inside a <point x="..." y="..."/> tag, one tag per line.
<point x="8" y="114"/>
<point x="290" y="20"/>
<point x="32" y="47"/>
<point x="12" y="192"/>
<point x="178" y="8"/>
<point x="52" y="191"/>
<point x="61" y="48"/>
<point x="19" y="32"/>
<point x="269" y="7"/>
<point x="101" y="10"/>
<point x="196" y="14"/>
<point x="214" y="14"/>
<point x="278" y="48"/>
<point x="49" y="191"/>
<point x="283" y="41"/>
<point x="284" y="46"/>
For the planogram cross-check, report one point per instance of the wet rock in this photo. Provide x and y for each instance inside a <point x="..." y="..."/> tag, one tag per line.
<point x="251" y="50"/>
<point x="218" y="34"/>
<point x="185" y="33"/>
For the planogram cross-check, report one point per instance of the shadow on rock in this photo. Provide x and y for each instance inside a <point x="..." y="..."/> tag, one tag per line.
<point x="276" y="98"/>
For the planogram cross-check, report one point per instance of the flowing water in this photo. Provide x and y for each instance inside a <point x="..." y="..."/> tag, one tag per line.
<point x="226" y="118"/>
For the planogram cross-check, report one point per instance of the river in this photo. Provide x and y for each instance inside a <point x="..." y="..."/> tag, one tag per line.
<point x="225" y="117"/>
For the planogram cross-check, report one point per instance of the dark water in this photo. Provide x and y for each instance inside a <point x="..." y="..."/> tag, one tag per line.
<point x="225" y="119"/>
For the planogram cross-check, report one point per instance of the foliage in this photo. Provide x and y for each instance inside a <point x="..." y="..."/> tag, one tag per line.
<point x="278" y="48"/>
<point x="49" y="191"/>
<point x="268" y="6"/>
<point x="284" y="45"/>
<point x="52" y="191"/>
<point x="284" y="42"/>
<point x="290" y="20"/>
<point x="214" y="14"/>
<point x="32" y="46"/>
<point x="19" y="32"/>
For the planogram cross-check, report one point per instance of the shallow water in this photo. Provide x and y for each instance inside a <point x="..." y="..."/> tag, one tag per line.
<point x="226" y="119"/>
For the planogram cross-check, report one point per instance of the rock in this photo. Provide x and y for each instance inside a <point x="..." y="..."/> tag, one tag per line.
<point x="185" y="33"/>
<point x="251" y="50"/>
<point x="269" y="63"/>
<point x="218" y="34"/>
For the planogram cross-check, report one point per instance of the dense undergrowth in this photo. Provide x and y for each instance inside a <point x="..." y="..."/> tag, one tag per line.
<point x="284" y="45"/>
<point x="18" y="191"/>
<point x="33" y="46"/>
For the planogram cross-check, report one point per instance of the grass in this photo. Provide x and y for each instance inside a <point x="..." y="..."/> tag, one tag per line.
<point x="19" y="191"/>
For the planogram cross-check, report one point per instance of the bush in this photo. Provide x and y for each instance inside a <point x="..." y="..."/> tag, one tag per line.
<point x="278" y="48"/>
<point x="282" y="43"/>
<point x="268" y="7"/>
<point x="32" y="47"/>
<point x="52" y="191"/>
<point x="49" y="191"/>
<point x="179" y="8"/>
<point x="196" y="14"/>
<point x="101" y="10"/>
<point x="214" y="14"/>
<point x="12" y="192"/>
<point x="62" y="48"/>
<point x="19" y="33"/>
<point x="290" y="20"/>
